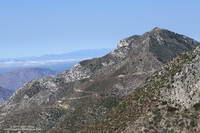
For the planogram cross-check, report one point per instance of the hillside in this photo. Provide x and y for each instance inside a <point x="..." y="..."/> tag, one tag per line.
<point x="168" y="102"/>
<point x="84" y="94"/>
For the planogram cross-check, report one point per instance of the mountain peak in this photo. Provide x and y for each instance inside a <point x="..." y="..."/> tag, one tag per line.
<point x="90" y="89"/>
<point x="156" y="29"/>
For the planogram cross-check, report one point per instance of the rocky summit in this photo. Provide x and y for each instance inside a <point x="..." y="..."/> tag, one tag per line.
<point x="120" y="92"/>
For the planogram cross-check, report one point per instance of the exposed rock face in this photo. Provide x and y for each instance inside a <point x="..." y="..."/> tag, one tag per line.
<point x="88" y="91"/>
<point x="185" y="82"/>
<point x="76" y="73"/>
<point x="168" y="102"/>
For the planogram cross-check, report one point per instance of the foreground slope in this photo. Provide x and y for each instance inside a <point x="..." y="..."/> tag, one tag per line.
<point x="168" y="102"/>
<point x="88" y="91"/>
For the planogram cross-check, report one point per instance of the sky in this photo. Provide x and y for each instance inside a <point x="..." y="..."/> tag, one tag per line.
<point x="40" y="27"/>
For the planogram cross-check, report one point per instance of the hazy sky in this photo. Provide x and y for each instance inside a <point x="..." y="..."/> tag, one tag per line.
<point x="38" y="27"/>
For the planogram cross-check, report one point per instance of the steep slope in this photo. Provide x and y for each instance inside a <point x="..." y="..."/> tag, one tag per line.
<point x="15" y="79"/>
<point x="5" y="94"/>
<point x="87" y="92"/>
<point x="168" y="102"/>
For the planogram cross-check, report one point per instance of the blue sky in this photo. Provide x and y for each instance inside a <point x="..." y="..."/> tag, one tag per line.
<point x="39" y="27"/>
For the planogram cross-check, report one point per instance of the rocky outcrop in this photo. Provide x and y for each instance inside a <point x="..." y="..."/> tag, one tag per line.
<point x="88" y="91"/>
<point x="185" y="82"/>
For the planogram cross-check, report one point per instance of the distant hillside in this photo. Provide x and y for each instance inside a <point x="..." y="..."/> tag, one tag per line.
<point x="4" y="94"/>
<point x="15" y="79"/>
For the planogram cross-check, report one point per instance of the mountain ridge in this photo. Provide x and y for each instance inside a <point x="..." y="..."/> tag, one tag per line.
<point x="88" y="91"/>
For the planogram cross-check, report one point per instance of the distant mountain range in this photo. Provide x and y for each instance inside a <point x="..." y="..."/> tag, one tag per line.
<point x="10" y="81"/>
<point x="58" y="62"/>
<point x="15" y="79"/>
<point x="15" y="72"/>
